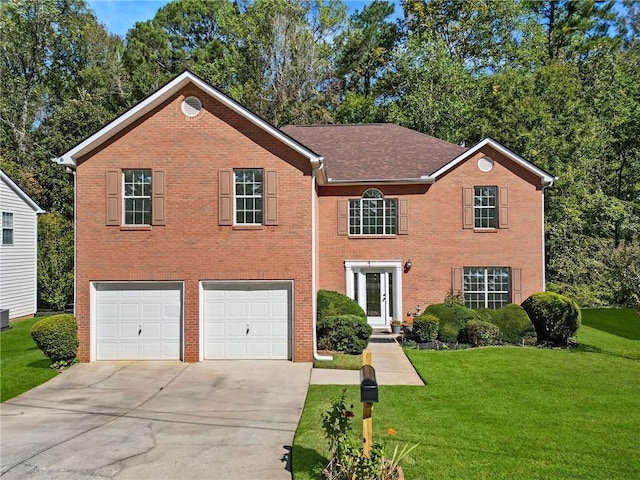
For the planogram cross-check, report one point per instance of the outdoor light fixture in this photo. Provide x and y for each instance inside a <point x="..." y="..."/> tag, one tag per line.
<point x="407" y="266"/>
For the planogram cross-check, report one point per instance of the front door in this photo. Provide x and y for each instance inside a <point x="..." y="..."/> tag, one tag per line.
<point x="376" y="285"/>
<point x="376" y="296"/>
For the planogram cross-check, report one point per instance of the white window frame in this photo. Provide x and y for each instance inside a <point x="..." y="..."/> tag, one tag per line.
<point x="482" y="208"/>
<point x="7" y="226"/>
<point x="488" y="287"/>
<point x="255" y="213"/>
<point x="373" y="199"/>
<point x="143" y="197"/>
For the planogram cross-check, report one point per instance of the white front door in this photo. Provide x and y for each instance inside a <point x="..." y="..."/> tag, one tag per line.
<point x="376" y="297"/>
<point x="377" y="287"/>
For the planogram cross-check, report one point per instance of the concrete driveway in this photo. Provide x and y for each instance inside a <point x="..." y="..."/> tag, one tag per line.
<point x="156" y="420"/>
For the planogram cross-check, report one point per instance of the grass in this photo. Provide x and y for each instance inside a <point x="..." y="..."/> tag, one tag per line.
<point x="341" y="361"/>
<point x="22" y="365"/>
<point x="507" y="412"/>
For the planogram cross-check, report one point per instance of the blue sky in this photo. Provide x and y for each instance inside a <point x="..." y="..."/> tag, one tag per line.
<point x="119" y="15"/>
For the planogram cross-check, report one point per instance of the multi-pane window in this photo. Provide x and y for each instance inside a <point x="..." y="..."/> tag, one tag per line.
<point x="372" y="214"/>
<point x="484" y="207"/>
<point x="248" y="196"/>
<point x="137" y="197"/>
<point x="486" y="287"/>
<point x="7" y="228"/>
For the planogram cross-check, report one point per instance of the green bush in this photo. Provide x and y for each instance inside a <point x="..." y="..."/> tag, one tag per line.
<point x="332" y="303"/>
<point x="453" y="317"/>
<point x="555" y="317"/>
<point x="57" y="337"/>
<point x="479" y="333"/>
<point x="343" y="333"/>
<point x="425" y="328"/>
<point x="513" y="322"/>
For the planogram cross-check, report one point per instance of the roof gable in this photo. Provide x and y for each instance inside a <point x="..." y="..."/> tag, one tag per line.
<point x="152" y="101"/>
<point x="20" y="193"/>
<point x="546" y="178"/>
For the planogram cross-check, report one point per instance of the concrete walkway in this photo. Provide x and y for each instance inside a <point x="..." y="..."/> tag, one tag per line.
<point x="391" y="364"/>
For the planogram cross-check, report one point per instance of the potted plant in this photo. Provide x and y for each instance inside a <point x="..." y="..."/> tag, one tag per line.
<point x="395" y="326"/>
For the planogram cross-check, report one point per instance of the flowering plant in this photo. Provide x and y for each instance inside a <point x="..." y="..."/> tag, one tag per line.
<point x="348" y="461"/>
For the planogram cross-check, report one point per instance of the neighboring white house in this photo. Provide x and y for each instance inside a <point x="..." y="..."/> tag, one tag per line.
<point x="18" y="249"/>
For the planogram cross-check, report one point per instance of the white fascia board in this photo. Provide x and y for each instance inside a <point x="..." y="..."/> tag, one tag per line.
<point x="386" y="181"/>
<point x="69" y="158"/>
<point x="27" y="199"/>
<point x="544" y="176"/>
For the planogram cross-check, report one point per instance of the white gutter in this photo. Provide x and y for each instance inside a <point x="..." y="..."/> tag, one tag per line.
<point x="389" y="181"/>
<point x="314" y="266"/>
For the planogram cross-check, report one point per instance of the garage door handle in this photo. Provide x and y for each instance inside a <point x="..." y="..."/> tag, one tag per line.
<point x="139" y="329"/>
<point x="247" y="330"/>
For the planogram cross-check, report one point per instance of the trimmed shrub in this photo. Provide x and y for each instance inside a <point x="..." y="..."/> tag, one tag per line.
<point x="343" y="333"/>
<point x="425" y="328"/>
<point x="479" y="333"/>
<point x="57" y="337"/>
<point x="453" y="317"/>
<point x="332" y="303"/>
<point x="555" y="317"/>
<point x="514" y="323"/>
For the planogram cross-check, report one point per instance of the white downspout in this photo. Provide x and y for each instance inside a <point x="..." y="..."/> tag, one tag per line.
<point x="314" y="266"/>
<point x="544" y="249"/>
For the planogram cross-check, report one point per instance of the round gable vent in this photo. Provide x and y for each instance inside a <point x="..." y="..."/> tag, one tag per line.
<point x="485" y="164"/>
<point x="191" y="106"/>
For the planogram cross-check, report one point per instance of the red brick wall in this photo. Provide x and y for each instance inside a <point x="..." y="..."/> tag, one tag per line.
<point x="436" y="241"/>
<point x="192" y="247"/>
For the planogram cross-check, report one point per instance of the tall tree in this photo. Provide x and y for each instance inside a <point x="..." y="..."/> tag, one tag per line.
<point x="366" y="46"/>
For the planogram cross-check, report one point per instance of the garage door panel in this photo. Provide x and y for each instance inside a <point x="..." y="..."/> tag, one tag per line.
<point x="230" y="309"/>
<point x="138" y="321"/>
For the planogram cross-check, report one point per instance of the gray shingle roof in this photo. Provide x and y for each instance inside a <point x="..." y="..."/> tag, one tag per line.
<point x="381" y="151"/>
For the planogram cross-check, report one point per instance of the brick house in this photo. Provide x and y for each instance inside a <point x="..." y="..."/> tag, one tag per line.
<point x="203" y="232"/>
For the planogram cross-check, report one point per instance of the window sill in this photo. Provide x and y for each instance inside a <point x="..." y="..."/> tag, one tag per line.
<point x="248" y="227"/>
<point x="373" y="237"/>
<point x="135" y="228"/>
<point x="485" y="230"/>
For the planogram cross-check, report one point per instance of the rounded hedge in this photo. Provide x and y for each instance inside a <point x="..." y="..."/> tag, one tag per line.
<point x="343" y="333"/>
<point x="479" y="333"/>
<point x="556" y="318"/>
<point x="514" y="323"/>
<point x="57" y="337"/>
<point x="334" y="303"/>
<point x="425" y="328"/>
<point x="453" y="317"/>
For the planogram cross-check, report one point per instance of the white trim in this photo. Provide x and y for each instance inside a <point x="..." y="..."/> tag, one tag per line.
<point x="314" y="269"/>
<point x="93" y="310"/>
<point x="123" y="121"/>
<point x="18" y="191"/>
<point x="351" y="266"/>
<point x="544" y="176"/>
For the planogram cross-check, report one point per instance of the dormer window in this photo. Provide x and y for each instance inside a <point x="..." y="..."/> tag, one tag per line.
<point x="372" y="214"/>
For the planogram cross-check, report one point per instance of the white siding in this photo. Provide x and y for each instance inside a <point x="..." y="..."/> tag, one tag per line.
<point x="18" y="262"/>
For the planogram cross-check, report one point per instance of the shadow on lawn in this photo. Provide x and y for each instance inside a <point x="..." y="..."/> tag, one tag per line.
<point x="40" y="364"/>
<point x="307" y="461"/>
<point x="625" y="323"/>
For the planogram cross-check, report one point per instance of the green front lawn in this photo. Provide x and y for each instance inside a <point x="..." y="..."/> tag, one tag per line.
<point x="341" y="361"/>
<point x="22" y="365"/>
<point x="507" y="412"/>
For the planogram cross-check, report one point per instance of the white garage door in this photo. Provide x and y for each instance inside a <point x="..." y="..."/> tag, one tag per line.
<point x="138" y="321"/>
<point x="246" y="321"/>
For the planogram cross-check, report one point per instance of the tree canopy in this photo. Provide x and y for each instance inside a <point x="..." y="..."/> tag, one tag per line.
<point x="557" y="81"/>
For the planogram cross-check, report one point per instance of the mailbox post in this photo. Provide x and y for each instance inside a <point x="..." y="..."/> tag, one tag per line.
<point x="368" y="396"/>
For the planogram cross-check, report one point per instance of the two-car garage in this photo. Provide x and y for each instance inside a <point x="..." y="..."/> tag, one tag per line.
<point x="237" y="320"/>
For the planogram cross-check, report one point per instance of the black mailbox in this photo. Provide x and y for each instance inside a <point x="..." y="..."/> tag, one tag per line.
<point x="368" y="385"/>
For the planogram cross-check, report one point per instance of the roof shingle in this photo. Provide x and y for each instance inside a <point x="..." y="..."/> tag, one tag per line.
<point x="381" y="151"/>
